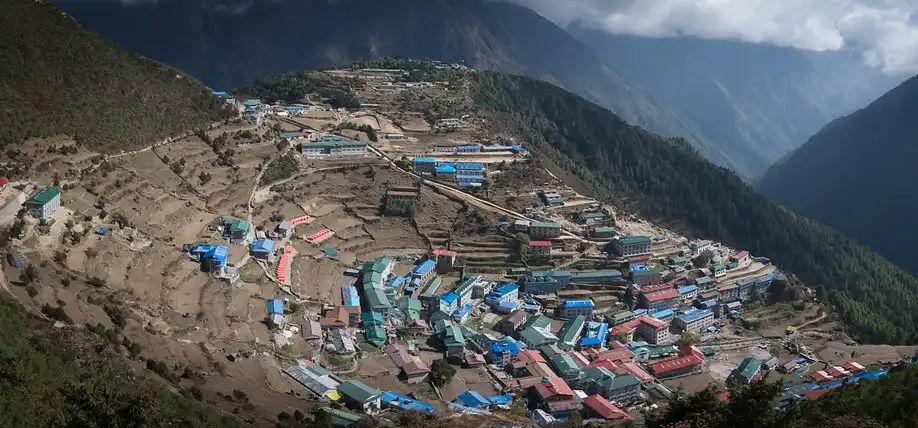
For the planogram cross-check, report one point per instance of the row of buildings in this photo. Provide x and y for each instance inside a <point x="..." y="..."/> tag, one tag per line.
<point x="464" y="174"/>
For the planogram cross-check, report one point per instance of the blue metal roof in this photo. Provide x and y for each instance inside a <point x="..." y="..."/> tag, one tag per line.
<point x="396" y="282"/>
<point x="424" y="160"/>
<point x="445" y="170"/>
<point x="596" y="334"/>
<point x="349" y="296"/>
<point x="217" y="252"/>
<point x="695" y="314"/>
<point x="449" y="297"/>
<point x="449" y="164"/>
<point x="578" y="303"/>
<point x="263" y="246"/>
<point x="663" y="313"/>
<point x="468" y="184"/>
<point x="640" y="312"/>
<point x="506" y="289"/>
<point x="469" y="165"/>
<point x="687" y="289"/>
<point x="507" y="304"/>
<point x="218" y="93"/>
<point x="424" y="268"/>
<point x="275" y="306"/>
<point x="501" y="347"/>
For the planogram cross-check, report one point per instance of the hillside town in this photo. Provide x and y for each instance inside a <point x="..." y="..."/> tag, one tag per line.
<point x="552" y="306"/>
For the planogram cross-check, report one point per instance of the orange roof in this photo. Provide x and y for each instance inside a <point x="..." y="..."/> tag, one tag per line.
<point x="656" y="296"/>
<point x="553" y="387"/>
<point x="605" y="408"/>
<point x="816" y="393"/>
<point x="636" y="370"/>
<point x="616" y="355"/>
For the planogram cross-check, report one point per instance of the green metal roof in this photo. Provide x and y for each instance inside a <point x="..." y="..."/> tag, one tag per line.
<point x="747" y="369"/>
<point x="661" y="350"/>
<point x="376" y="334"/>
<point x="551" y="273"/>
<point x="718" y="268"/>
<point x="564" y="364"/>
<point x="539" y="321"/>
<point x="432" y="287"/>
<point x="630" y="240"/>
<point x="237" y="225"/>
<point x="358" y="391"/>
<point x="341" y="414"/>
<point x="453" y="336"/>
<point x="535" y="336"/>
<point x="622" y="315"/>
<point x="572" y="330"/>
<point x="606" y="379"/>
<point x="251" y="102"/>
<point x="605" y="229"/>
<point x="678" y="260"/>
<point x="371" y="318"/>
<point x="546" y="224"/>
<point x="44" y="196"/>
<point x="376" y="298"/>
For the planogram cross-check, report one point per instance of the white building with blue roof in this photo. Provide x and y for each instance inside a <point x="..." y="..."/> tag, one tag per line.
<point x="573" y="308"/>
<point x="509" y="292"/>
<point x="424" y="271"/>
<point x="688" y="292"/>
<point x="694" y="320"/>
<point x="424" y="165"/>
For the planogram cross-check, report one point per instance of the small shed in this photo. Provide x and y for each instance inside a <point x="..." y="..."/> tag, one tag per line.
<point x="284" y="228"/>
<point x="275" y="306"/>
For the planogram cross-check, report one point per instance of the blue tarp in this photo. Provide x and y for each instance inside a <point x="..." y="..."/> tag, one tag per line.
<point x="402" y="402"/>
<point x="472" y="399"/>
<point x="424" y="268"/>
<point x="103" y="230"/>
<point x="500" y="399"/>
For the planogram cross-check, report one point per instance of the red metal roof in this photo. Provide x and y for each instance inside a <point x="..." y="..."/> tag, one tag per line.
<point x="578" y="357"/>
<point x="605" y="408"/>
<point x="656" y="296"/>
<point x="837" y="372"/>
<point x="674" y="364"/>
<point x="639" y="258"/>
<point x="531" y="356"/>
<point x="540" y="243"/>
<point x="653" y="322"/>
<point x="4" y="181"/>
<point x="816" y="393"/>
<point x="443" y="252"/>
<point x="740" y="255"/>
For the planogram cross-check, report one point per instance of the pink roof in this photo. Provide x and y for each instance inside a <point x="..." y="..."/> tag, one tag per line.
<point x="531" y="355"/>
<point x="553" y="387"/>
<point x="853" y="367"/>
<point x="674" y="364"/>
<point x="604" y="364"/>
<point x="540" y="243"/>
<point x="653" y="322"/>
<point x="837" y="372"/>
<point x="579" y="359"/>
<point x="443" y="252"/>
<point x="4" y="181"/>
<point x="605" y="408"/>
<point x="820" y="376"/>
<point x="637" y="371"/>
<point x="741" y="254"/>
<point x="656" y="296"/>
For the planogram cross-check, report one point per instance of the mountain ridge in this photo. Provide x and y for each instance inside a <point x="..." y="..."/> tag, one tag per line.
<point x="868" y="154"/>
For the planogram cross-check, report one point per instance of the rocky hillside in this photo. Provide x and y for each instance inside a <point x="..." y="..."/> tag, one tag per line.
<point x="60" y="78"/>
<point x="853" y="175"/>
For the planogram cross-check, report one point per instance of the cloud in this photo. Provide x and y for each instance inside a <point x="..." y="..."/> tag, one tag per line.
<point x="884" y="31"/>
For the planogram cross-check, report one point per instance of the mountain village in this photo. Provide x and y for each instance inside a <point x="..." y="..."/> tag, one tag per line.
<point x="405" y="263"/>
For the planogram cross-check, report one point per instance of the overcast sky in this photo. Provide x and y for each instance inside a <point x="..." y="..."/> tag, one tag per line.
<point x="883" y="30"/>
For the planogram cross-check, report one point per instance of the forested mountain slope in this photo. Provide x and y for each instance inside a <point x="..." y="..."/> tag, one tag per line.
<point x="857" y="175"/>
<point x="668" y="181"/>
<point x="56" y="77"/>
<point x="758" y="101"/>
